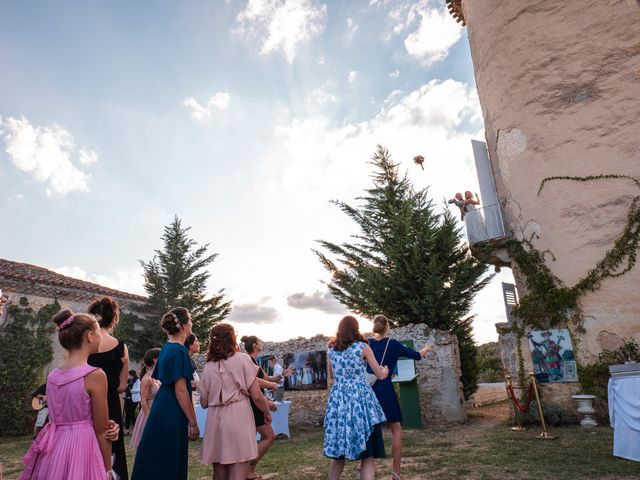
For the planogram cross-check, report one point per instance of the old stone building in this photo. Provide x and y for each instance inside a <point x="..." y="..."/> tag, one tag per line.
<point x="559" y="86"/>
<point x="41" y="287"/>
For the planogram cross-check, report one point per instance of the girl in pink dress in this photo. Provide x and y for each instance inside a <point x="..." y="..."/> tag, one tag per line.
<point x="228" y="380"/>
<point x="148" y="389"/>
<point x="73" y="444"/>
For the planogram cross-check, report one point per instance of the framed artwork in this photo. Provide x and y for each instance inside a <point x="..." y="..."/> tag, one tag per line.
<point x="552" y="355"/>
<point x="309" y="370"/>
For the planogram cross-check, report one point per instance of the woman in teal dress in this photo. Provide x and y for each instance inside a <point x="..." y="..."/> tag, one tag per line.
<point x="164" y="447"/>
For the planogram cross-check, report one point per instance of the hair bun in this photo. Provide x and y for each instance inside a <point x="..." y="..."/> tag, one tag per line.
<point x="244" y="338"/>
<point x="62" y="316"/>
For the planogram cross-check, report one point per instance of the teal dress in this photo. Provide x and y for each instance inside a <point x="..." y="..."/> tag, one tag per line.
<point x="164" y="446"/>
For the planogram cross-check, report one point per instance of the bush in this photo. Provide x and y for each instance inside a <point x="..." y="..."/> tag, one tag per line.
<point x="554" y="415"/>
<point x="489" y="363"/>
<point x="25" y="348"/>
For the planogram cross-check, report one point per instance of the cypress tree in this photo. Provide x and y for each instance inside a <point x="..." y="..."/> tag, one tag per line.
<point x="408" y="262"/>
<point x="177" y="276"/>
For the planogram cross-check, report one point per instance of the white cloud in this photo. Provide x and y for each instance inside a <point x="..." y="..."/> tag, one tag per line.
<point x="352" y="28"/>
<point x="45" y="153"/>
<point x="395" y="74"/>
<point x="321" y="96"/>
<point x="318" y="300"/>
<point x="282" y="25"/>
<point x="253" y="313"/>
<point x="88" y="157"/>
<point x="435" y="35"/>
<point x="218" y="101"/>
<point x="353" y="75"/>
<point x="130" y="281"/>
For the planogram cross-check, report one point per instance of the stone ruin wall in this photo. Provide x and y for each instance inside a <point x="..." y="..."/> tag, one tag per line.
<point x="559" y="84"/>
<point x="440" y="390"/>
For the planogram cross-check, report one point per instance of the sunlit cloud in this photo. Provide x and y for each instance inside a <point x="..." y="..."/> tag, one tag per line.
<point x="216" y="102"/>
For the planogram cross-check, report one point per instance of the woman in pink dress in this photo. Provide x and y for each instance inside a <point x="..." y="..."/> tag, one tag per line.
<point x="73" y="444"/>
<point x="148" y="389"/>
<point x="228" y="380"/>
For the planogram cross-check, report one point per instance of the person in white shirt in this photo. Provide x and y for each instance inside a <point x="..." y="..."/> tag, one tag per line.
<point x="278" y="371"/>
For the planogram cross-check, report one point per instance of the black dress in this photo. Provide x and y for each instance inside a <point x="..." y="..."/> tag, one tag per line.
<point x="258" y="414"/>
<point x="111" y="363"/>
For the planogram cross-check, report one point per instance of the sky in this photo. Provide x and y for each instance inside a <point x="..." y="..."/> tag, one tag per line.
<point x="244" y="118"/>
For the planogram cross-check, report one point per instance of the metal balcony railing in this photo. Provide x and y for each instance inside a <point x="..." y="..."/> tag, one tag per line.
<point x="484" y="224"/>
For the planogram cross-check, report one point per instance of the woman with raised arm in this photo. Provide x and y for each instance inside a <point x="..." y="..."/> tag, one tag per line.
<point x="387" y="351"/>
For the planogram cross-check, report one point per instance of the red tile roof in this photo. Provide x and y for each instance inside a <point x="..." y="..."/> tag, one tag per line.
<point x="25" y="278"/>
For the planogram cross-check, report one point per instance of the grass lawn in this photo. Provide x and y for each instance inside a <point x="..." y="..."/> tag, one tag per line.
<point x="482" y="449"/>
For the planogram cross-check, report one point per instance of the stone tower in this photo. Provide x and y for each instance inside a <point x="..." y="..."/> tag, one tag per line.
<point x="559" y="86"/>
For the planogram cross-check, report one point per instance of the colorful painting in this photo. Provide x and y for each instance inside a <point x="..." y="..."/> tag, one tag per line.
<point x="552" y="355"/>
<point x="309" y="370"/>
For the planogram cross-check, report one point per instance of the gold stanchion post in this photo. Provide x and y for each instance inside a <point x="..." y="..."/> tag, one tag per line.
<point x="545" y="435"/>
<point x="516" y="419"/>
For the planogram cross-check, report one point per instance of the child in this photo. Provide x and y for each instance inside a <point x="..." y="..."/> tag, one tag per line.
<point x="73" y="444"/>
<point x="148" y="389"/>
<point x="353" y="416"/>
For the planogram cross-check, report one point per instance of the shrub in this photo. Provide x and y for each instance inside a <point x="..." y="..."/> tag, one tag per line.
<point x="25" y="348"/>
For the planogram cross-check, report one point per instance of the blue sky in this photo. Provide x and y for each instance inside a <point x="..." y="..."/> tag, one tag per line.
<point x="244" y="118"/>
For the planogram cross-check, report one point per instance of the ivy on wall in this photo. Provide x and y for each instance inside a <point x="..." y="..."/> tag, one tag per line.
<point x="25" y="348"/>
<point x="550" y="303"/>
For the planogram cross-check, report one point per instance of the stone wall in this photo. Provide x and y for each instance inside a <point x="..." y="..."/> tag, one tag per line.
<point x="440" y="390"/>
<point x="557" y="102"/>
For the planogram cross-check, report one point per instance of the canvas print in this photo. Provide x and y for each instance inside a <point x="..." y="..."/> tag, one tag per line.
<point x="309" y="370"/>
<point x="552" y="355"/>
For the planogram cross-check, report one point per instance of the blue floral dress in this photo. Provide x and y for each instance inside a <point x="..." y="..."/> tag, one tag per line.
<point x="353" y="410"/>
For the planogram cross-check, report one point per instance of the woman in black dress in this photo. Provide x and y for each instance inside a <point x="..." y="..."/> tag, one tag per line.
<point x="113" y="359"/>
<point x="253" y="346"/>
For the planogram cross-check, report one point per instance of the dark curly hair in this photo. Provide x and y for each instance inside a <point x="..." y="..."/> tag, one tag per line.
<point x="72" y="333"/>
<point x="348" y="333"/>
<point x="174" y="319"/>
<point x="222" y="342"/>
<point x="106" y="311"/>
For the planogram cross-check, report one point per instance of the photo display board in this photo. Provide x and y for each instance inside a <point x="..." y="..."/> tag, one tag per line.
<point x="552" y="356"/>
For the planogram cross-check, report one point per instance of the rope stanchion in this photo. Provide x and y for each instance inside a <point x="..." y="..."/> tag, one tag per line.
<point x="544" y="435"/>
<point x="515" y="401"/>
<point x="516" y="418"/>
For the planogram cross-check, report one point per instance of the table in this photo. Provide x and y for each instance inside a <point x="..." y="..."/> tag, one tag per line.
<point x="280" y="421"/>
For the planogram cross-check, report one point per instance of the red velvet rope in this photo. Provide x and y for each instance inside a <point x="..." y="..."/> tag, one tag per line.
<point x="515" y="400"/>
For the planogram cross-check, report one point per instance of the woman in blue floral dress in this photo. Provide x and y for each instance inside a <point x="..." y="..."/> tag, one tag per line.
<point x="352" y="421"/>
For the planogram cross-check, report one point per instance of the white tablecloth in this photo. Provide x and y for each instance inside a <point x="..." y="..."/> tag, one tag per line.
<point x="624" y="412"/>
<point x="280" y="421"/>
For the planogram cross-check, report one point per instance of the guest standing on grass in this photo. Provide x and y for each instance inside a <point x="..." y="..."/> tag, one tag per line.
<point x="353" y="418"/>
<point x="387" y="351"/>
<point x="113" y="359"/>
<point x="229" y="380"/>
<point x="131" y="400"/>
<point x="75" y="443"/>
<point x="164" y="447"/>
<point x="253" y="346"/>
<point x="148" y="390"/>
<point x="193" y="346"/>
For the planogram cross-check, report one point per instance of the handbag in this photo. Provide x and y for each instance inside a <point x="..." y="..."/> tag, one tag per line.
<point x="371" y="377"/>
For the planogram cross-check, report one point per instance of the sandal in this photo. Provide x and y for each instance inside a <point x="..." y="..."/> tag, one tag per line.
<point x="395" y="476"/>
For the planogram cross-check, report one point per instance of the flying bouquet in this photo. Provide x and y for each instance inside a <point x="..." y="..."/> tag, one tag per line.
<point x="419" y="160"/>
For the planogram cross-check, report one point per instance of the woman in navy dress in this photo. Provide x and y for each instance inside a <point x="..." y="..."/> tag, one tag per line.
<point x="383" y="389"/>
<point x="163" y="450"/>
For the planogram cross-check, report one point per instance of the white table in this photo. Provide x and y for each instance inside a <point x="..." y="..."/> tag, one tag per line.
<point x="279" y="422"/>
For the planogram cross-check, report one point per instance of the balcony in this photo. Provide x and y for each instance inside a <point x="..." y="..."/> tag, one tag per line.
<point x="485" y="227"/>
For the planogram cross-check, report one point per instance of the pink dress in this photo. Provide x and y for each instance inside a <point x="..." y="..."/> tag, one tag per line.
<point x="141" y="420"/>
<point x="67" y="446"/>
<point x="230" y="431"/>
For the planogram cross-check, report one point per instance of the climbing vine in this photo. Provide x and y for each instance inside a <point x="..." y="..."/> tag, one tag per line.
<point x="550" y="303"/>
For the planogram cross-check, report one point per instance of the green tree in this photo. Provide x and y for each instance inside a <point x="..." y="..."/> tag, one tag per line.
<point x="25" y="348"/>
<point x="408" y="262"/>
<point x="489" y="363"/>
<point x="177" y="276"/>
